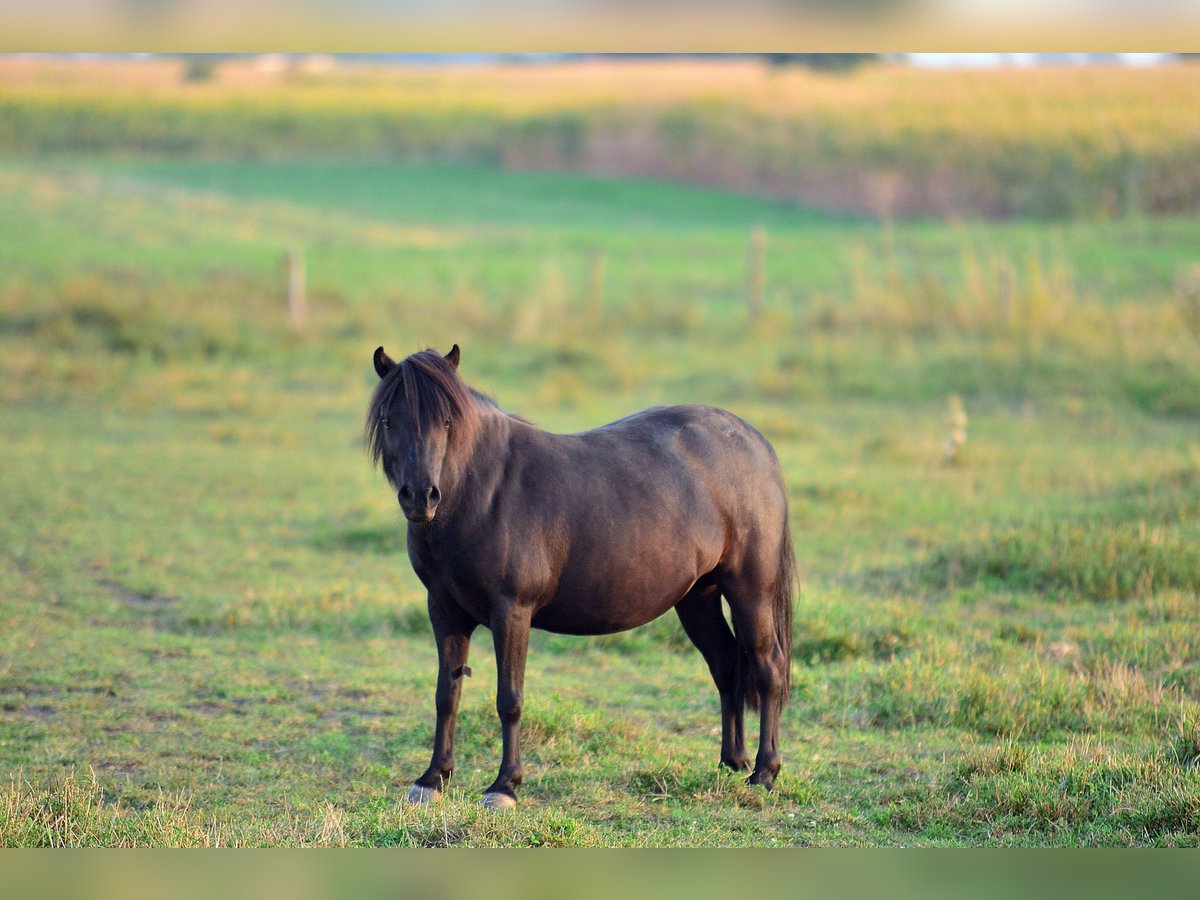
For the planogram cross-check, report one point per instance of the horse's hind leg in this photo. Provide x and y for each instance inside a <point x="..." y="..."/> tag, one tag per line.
<point x="700" y="613"/>
<point x="750" y="606"/>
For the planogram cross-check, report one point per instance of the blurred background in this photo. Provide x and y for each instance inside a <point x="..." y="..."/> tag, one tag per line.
<point x="959" y="293"/>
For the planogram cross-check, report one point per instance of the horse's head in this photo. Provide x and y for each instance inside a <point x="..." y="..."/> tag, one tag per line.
<point x="420" y="415"/>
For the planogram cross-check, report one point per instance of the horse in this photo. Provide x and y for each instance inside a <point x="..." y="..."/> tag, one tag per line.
<point x="512" y="528"/>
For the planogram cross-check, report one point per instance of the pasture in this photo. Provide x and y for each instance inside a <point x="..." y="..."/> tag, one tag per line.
<point x="210" y="634"/>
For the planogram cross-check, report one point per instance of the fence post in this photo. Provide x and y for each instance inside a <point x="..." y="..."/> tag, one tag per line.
<point x="293" y="266"/>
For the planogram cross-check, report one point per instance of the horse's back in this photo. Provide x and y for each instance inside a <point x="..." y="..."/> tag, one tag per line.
<point x="707" y="434"/>
<point x="703" y="447"/>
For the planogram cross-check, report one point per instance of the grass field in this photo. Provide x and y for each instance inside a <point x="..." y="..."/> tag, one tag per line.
<point x="210" y="634"/>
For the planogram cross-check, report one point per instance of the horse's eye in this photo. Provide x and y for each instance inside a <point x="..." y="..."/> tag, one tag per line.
<point x="383" y="420"/>
<point x="447" y="423"/>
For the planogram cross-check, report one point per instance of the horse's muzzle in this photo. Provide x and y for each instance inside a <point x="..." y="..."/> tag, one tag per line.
<point x="419" y="506"/>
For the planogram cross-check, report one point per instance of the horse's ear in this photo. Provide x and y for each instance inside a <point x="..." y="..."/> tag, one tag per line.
<point x="383" y="362"/>
<point x="452" y="356"/>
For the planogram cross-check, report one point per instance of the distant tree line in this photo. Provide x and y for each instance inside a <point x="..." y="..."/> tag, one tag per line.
<point x="827" y="62"/>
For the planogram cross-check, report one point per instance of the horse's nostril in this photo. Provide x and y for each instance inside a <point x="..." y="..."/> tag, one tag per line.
<point x="434" y="494"/>
<point x="406" y="493"/>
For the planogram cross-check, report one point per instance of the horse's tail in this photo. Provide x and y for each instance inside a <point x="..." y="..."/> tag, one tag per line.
<point x="786" y="588"/>
<point x="783" y="593"/>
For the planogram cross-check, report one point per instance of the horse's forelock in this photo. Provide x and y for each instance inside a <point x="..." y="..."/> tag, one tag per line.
<point x="434" y="391"/>
<point x="434" y="394"/>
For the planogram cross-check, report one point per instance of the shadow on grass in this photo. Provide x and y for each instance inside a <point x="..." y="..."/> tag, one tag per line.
<point x="384" y="540"/>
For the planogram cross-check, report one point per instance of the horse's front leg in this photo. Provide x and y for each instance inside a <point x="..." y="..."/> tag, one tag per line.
<point x="452" y="630"/>
<point x="510" y="632"/>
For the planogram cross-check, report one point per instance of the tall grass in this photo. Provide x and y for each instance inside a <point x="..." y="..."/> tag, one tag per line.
<point x="911" y="330"/>
<point x="884" y="140"/>
<point x="1118" y="796"/>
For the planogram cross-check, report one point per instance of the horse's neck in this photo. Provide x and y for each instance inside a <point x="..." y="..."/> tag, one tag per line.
<point x="478" y="473"/>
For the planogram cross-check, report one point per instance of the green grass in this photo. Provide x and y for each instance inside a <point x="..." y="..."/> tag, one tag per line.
<point x="210" y="634"/>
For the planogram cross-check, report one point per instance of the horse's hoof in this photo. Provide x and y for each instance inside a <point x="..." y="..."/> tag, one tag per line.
<point x="763" y="780"/>
<point x="497" y="800"/>
<point x="419" y="793"/>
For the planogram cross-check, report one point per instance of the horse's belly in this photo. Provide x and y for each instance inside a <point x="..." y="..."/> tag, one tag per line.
<point x="560" y="621"/>
<point x="600" y="610"/>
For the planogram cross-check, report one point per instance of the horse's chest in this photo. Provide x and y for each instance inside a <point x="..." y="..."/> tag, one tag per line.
<point x="468" y="570"/>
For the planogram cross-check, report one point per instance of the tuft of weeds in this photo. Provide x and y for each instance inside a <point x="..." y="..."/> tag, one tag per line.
<point x="679" y="782"/>
<point x="71" y="811"/>
<point x="1097" y="562"/>
<point x="1083" y="793"/>
<point x="1184" y="741"/>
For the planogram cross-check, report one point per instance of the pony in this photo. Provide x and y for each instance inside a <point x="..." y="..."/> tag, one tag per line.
<point x="512" y="528"/>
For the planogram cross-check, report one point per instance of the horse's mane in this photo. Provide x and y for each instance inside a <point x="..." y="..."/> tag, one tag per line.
<point x="434" y="394"/>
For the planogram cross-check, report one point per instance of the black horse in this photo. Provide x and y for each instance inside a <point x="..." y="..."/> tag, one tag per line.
<point x="511" y="527"/>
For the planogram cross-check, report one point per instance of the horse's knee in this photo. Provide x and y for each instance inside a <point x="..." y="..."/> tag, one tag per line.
<point x="509" y="705"/>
